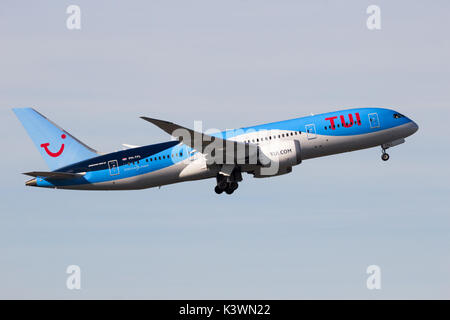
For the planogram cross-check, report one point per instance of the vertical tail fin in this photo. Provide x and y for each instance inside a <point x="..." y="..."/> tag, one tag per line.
<point x="58" y="147"/>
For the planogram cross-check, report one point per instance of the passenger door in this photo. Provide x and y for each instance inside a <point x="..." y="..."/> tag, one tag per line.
<point x="310" y="131"/>
<point x="113" y="167"/>
<point x="374" y="121"/>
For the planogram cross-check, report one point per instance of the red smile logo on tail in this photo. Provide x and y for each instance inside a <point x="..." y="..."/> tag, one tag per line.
<point x="54" y="154"/>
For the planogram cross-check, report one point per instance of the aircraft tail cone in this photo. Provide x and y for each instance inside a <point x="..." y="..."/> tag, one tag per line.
<point x="31" y="183"/>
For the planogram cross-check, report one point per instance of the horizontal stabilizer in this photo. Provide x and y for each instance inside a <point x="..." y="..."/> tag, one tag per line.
<point x="53" y="175"/>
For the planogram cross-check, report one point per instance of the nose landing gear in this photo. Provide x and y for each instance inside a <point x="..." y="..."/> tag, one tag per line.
<point x="385" y="146"/>
<point x="384" y="155"/>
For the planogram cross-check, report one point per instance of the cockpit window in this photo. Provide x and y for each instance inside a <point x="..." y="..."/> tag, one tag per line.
<point x="398" y="116"/>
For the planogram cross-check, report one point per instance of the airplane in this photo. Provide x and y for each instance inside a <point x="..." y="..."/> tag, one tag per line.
<point x="265" y="150"/>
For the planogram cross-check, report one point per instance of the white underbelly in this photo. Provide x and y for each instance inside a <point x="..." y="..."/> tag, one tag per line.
<point x="323" y="145"/>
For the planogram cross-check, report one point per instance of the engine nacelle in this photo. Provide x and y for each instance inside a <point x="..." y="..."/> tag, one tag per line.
<point x="278" y="158"/>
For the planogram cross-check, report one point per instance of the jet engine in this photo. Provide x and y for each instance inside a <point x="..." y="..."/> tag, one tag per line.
<point x="278" y="158"/>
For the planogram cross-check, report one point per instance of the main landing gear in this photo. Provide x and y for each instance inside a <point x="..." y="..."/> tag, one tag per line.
<point x="384" y="155"/>
<point x="228" y="183"/>
<point x="229" y="188"/>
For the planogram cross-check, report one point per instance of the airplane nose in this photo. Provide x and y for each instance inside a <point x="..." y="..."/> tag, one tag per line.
<point x="411" y="128"/>
<point x="415" y="127"/>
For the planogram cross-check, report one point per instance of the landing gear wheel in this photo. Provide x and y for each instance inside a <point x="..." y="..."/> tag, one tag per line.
<point x="229" y="190"/>
<point x="218" y="190"/>
<point x="228" y="183"/>
<point x="231" y="187"/>
<point x="385" y="157"/>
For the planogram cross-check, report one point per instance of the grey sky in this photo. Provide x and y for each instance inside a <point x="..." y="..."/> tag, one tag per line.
<point x="310" y="234"/>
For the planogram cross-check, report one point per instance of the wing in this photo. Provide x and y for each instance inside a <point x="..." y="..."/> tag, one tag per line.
<point x="232" y="152"/>
<point x="129" y="146"/>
